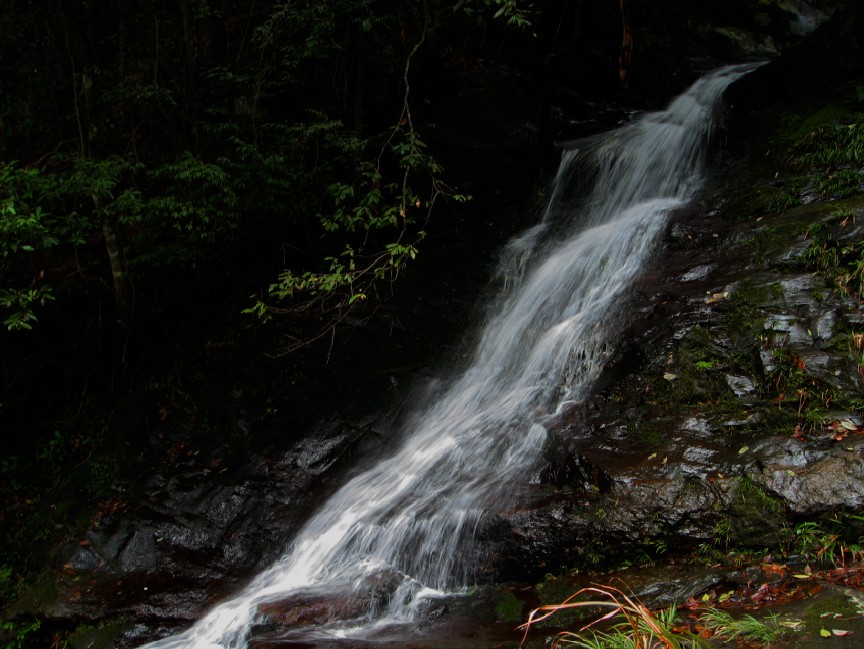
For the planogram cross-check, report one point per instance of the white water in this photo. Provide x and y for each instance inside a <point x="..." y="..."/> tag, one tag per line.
<point x="412" y="518"/>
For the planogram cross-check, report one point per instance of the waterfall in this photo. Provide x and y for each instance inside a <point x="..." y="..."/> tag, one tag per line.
<point x="410" y="521"/>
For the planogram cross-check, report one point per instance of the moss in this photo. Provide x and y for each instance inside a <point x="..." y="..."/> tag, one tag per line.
<point x="40" y="595"/>
<point x="102" y="636"/>
<point x="744" y="317"/>
<point x="691" y="372"/>
<point x="755" y="200"/>
<point x="842" y="183"/>
<point x="510" y="609"/>
<point x="823" y="609"/>
<point x="795" y="127"/>
<point x="554" y="590"/>
<point x="752" y="495"/>
<point x="650" y="433"/>
<point x="754" y="514"/>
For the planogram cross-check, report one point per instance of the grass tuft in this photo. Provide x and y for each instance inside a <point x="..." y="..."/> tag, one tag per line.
<point x="633" y="625"/>
<point x="746" y="628"/>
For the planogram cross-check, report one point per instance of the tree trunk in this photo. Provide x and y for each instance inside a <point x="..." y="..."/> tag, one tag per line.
<point x="626" y="54"/>
<point x="122" y="289"/>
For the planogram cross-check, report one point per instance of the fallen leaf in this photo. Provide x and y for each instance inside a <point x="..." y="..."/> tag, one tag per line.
<point x="825" y="633"/>
<point x="841" y="632"/>
<point x="743" y="449"/>
<point x="652" y="456"/>
<point x="670" y="377"/>
<point x="802" y="576"/>
<point x="848" y="425"/>
<point x="775" y="568"/>
<point x="792" y="624"/>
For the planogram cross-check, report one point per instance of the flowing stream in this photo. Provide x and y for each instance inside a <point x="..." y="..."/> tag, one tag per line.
<point x="403" y="532"/>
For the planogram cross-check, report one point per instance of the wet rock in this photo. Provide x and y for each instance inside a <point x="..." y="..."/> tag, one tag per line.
<point x="811" y="481"/>
<point x="697" y="273"/>
<point x="709" y="457"/>
<point x="741" y="385"/>
<point x="192" y="537"/>
<point x="745" y="43"/>
<point x="317" y="608"/>
<point x="306" y="610"/>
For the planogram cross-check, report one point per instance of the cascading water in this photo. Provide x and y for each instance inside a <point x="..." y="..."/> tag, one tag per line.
<point x="411" y="519"/>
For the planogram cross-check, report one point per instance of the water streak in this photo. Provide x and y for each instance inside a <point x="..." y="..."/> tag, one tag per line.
<point x="411" y="520"/>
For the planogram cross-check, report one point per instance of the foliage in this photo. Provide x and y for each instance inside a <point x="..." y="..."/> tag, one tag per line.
<point x="842" y="263"/>
<point x="747" y="491"/>
<point x="632" y="624"/>
<point x="515" y="12"/>
<point x="790" y="384"/>
<point x="746" y="627"/>
<point x="509" y="608"/>
<point x="292" y="122"/>
<point x="10" y="584"/>
<point x="706" y="365"/>
<point x="367" y="206"/>
<point x="781" y="201"/>
<point x="825" y="152"/>
<point x="830" y="544"/>
<point x="832" y="146"/>
<point x="26" y="231"/>
<point x="17" y="634"/>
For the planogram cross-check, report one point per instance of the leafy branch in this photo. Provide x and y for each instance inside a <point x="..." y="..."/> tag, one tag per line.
<point x="367" y="205"/>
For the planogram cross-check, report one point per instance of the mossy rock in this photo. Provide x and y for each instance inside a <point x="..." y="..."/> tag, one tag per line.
<point x="758" y="200"/>
<point x="798" y="126"/>
<point x="510" y="609"/>
<point x="102" y="636"/>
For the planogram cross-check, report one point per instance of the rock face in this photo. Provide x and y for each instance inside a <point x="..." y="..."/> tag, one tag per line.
<point x="194" y="536"/>
<point x="728" y="413"/>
